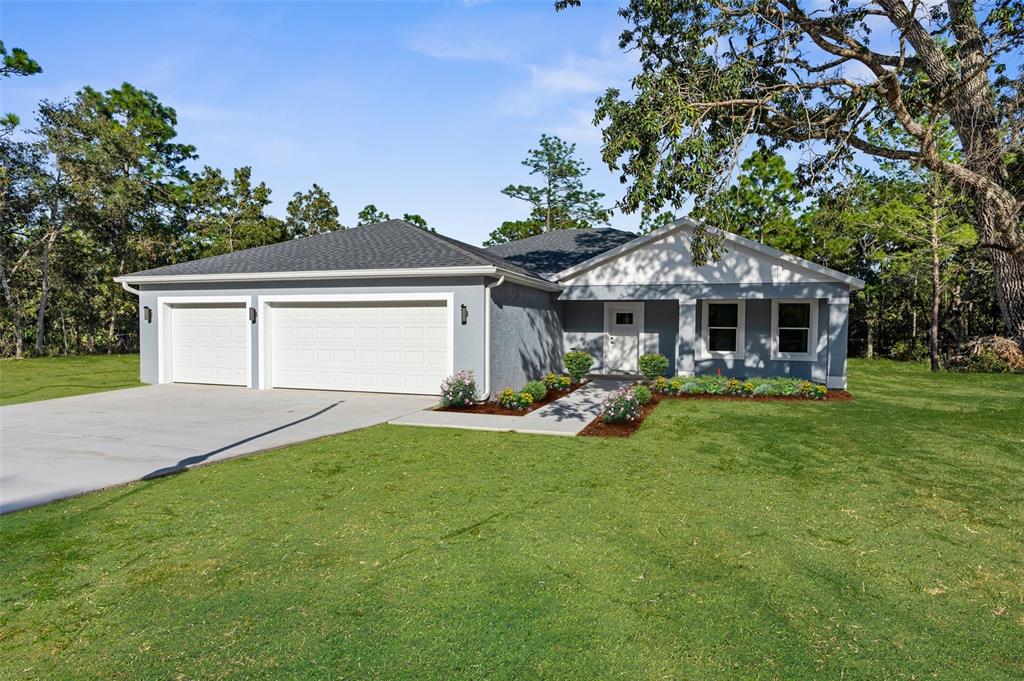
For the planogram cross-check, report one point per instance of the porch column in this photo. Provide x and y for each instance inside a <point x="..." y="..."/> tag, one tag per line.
<point x="686" y="346"/>
<point x="838" y="330"/>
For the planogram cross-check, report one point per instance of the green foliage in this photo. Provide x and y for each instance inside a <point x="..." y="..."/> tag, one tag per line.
<point x="555" y="381"/>
<point x="643" y="394"/>
<point x="312" y="212"/>
<point x="763" y="204"/>
<point x="418" y="220"/>
<point x="511" y="399"/>
<point x="660" y="385"/>
<point x="47" y="378"/>
<point x="458" y="390"/>
<point x="15" y="63"/>
<point x="537" y="389"/>
<point x="653" y="365"/>
<point x="370" y="214"/>
<point x="622" y="406"/>
<point x="230" y="214"/>
<point x="577" y="364"/>
<point x="560" y="201"/>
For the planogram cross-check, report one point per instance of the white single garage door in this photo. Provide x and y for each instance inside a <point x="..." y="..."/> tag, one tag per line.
<point x="399" y="347"/>
<point x="209" y="344"/>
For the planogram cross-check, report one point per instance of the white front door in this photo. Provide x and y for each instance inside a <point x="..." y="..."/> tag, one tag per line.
<point x="210" y="344"/>
<point x="623" y="323"/>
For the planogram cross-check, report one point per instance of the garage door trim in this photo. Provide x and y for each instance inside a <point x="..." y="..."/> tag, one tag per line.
<point x="164" y="330"/>
<point x="264" y="304"/>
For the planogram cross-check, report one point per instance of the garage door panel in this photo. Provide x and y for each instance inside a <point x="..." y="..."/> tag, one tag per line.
<point x="209" y="344"/>
<point x="393" y="347"/>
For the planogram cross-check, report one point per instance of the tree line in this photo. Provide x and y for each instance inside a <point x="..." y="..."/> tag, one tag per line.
<point x="101" y="186"/>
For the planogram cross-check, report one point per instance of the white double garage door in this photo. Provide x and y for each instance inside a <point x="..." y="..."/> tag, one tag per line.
<point x="398" y="346"/>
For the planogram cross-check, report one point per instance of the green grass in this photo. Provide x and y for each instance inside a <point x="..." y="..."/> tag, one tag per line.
<point x="44" y="378"/>
<point x="873" y="539"/>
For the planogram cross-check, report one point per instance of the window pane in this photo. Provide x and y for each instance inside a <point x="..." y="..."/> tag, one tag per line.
<point x="722" y="340"/>
<point x="795" y="314"/>
<point x="793" y="340"/>
<point x="723" y="314"/>
<point x="624" y="318"/>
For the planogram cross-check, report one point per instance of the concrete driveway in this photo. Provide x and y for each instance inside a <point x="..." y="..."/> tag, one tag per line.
<point x="59" y="448"/>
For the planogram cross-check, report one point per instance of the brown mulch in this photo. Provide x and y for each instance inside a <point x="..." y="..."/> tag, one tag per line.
<point x="598" y="428"/>
<point x="495" y="408"/>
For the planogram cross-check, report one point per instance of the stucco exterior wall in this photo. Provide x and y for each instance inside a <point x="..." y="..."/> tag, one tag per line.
<point x="526" y="335"/>
<point x="583" y="323"/>
<point x="468" y="339"/>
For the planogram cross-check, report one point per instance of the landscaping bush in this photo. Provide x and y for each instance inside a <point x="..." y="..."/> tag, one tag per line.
<point x="555" y="381"/>
<point x="812" y="391"/>
<point x="653" y="365"/>
<point x="510" y="399"/>
<point x="643" y="394"/>
<point x="538" y="391"/>
<point x="577" y="364"/>
<point x="458" y="390"/>
<point x="622" y="406"/>
<point x="660" y="385"/>
<point x="675" y="386"/>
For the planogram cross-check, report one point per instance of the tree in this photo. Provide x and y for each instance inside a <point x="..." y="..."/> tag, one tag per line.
<point x="652" y="222"/>
<point x="232" y="214"/>
<point x="514" y="230"/>
<point x="311" y="213"/>
<point x="15" y="63"/>
<point x="763" y="204"/>
<point x="370" y="214"/>
<point x="713" y="74"/>
<point x="418" y="220"/>
<point x="561" y="202"/>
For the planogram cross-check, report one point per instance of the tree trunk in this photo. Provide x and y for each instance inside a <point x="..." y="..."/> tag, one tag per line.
<point x="936" y="290"/>
<point x="869" y="317"/>
<point x="16" y="321"/>
<point x="112" y="328"/>
<point x="44" y="291"/>
<point x="993" y="217"/>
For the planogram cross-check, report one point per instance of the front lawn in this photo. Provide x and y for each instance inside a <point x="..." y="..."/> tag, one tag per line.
<point x="43" y="378"/>
<point x="877" y="538"/>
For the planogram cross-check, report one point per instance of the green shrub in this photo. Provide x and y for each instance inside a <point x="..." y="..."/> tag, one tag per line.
<point x="653" y="365"/>
<point x="813" y="391"/>
<point x="555" y="381"/>
<point x="621" y="406"/>
<point x="538" y="391"/>
<point x="510" y="399"/>
<point x="577" y="364"/>
<point x="458" y="390"/>
<point x="675" y="386"/>
<point x="660" y="385"/>
<point x="643" y="394"/>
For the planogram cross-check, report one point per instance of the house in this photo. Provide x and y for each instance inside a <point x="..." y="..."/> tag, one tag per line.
<point x="393" y="308"/>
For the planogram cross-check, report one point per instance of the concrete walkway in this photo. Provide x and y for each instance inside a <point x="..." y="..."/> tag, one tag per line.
<point x="566" y="416"/>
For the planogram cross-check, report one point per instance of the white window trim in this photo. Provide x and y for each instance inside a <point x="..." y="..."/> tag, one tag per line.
<point x="165" y="373"/>
<point x="741" y="323"/>
<point x="812" y="334"/>
<point x="265" y="305"/>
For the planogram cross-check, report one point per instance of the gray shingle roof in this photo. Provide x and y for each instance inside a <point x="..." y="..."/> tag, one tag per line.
<point x="549" y="253"/>
<point x="394" y="244"/>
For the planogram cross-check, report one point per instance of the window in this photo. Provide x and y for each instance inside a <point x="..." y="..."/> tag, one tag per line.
<point x="794" y="329"/>
<point x="624" y="318"/>
<point x="722" y="328"/>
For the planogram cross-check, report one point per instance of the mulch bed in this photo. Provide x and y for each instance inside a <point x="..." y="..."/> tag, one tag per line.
<point x="495" y="408"/>
<point x="598" y="428"/>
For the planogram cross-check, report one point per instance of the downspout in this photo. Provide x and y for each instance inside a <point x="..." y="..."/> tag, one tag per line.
<point x="487" y="335"/>
<point x="129" y="289"/>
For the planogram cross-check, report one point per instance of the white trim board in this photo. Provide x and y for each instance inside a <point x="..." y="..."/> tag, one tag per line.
<point x="741" y="336"/>
<point x="264" y="305"/>
<point x="164" y="330"/>
<point x="688" y="224"/>
<point x="488" y="270"/>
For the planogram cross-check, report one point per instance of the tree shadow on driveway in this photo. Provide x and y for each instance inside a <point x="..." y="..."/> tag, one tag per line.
<point x="188" y="462"/>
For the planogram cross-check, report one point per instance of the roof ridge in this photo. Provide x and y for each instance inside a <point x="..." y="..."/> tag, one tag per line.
<point x="477" y="253"/>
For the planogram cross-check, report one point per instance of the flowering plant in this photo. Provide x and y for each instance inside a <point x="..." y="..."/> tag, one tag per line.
<point x="458" y="390"/>
<point x="555" y="381"/>
<point x="510" y="399"/>
<point x="622" y="406"/>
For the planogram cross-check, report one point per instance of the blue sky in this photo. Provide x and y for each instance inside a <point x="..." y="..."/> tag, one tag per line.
<point x="416" y="107"/>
